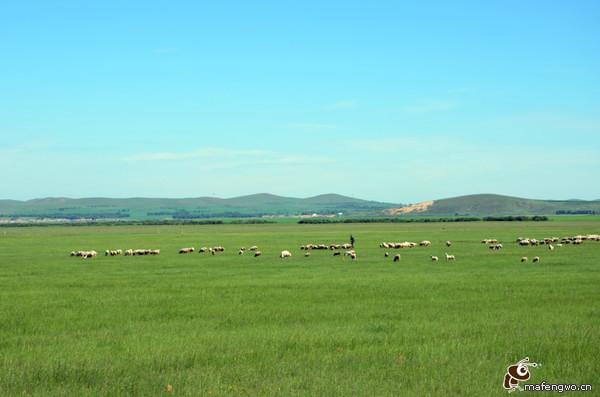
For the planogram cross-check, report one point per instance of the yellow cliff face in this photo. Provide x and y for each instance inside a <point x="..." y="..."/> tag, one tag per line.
<point x="407" y="209"/>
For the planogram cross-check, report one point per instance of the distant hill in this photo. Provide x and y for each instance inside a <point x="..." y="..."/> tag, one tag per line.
<point x="267" y="205"/>
<point x="256" y="205"/>
<point x="494" y="204"/>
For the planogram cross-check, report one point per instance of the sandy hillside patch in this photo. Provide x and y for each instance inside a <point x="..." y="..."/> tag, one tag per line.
<point x="407" y="209"/>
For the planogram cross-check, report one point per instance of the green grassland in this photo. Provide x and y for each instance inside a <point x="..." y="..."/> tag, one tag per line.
<point x="319" y="325"/>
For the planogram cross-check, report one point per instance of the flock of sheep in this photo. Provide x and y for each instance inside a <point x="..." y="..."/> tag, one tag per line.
<point x="410" y="244"/>
<point x="349" y="251"/>
<point x="550" y="241"/>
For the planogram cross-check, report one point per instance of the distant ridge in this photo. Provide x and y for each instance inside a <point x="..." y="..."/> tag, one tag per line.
<point x="495" y="204"/>
<point x="270" y="205"/>
<point x="254" y="205"/>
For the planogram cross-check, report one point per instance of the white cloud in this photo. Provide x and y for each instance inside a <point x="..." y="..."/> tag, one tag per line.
<point x="341" y="105"/>
<point x="200" y="153"/>
<point x="226" y="158"/>
<point x="163" y="50"/>
<point x="309" y="126"/>
<point x="428" y="106"/>
<point x="458" y="90"/>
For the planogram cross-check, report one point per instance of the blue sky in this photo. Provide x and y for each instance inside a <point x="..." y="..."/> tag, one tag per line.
<point x="397" y="101"/>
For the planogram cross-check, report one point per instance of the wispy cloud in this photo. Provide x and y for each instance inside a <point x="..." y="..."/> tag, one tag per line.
<point x="458" y="90"/>
<point x="163" y="50"/>
<point x="428" y="106"/>
<point x="28" y="148"/>
<point x="311" y="126"/>
<point x="225" y="158"/>
<point x="200" y="153"/>
<point x="341" y="105"/>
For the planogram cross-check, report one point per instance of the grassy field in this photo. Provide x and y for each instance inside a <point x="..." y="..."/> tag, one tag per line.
<point x="199" y="324"/>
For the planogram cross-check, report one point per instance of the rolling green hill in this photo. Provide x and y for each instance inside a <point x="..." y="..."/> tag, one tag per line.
<point x="256" y="205"/>
<point x="494" y="204"/>
<point x="264" y="205"/>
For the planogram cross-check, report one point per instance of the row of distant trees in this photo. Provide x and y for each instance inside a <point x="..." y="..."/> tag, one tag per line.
<point x="118" y="219"/>
<point x="578" y="212"/>
<point x="518" y="218"/>
<point x="70" y="216"/>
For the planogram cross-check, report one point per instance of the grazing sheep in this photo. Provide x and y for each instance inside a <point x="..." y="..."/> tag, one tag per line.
<point x="241" y="252"/>
<point x="186" y="250"/>
<point x="336" y="253"/>
<point x="129" y="252"/>
<point x="387" y="254"/>
<point x="425" y="243"/>
<point x="351" y="254"/>
<point x="203" y="249"/>
<point x="536" y="259"/>
<point x="450" y="257"/>
<point x="253" y="248"/>
<point x="397" y="257"/>
<point x="257" y="253"/>
<point x="550" y="247"/>
<point x="434" y="258"/>
<point x="489" y="241"/>
<point x="448" y="243"/>
<point x="524" y="259"/>
<point x="154" y="252"/>
<point x="307" y="255"/>
<point x="285" y="254"/>
<point x="89" y="254"/>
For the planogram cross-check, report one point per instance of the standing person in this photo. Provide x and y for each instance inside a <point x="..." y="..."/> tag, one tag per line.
<point x="352" y="241"/>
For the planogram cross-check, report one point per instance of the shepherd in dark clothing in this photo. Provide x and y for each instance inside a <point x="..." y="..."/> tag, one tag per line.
<point x="352" y="241"/>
